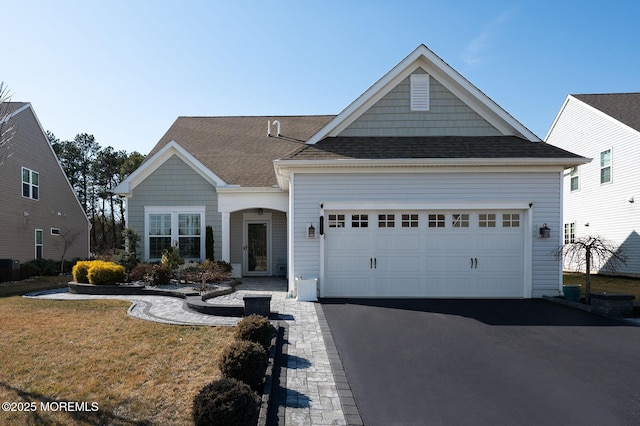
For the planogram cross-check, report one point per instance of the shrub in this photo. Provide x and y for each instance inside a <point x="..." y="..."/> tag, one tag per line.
<point x="40" y="267"/>
<point x="106" y="273"/>
<point x="171" y="258"/>
<point x="159" y="275"/>
<point x="256" y="328"/>
<point x="80" y="271"/>
<point x="225" y="402"/>
<point x="208" y="243"/>
<point x="206" y="272"/>
<point x="140" y="271"/>
<point x="245" y="361"/>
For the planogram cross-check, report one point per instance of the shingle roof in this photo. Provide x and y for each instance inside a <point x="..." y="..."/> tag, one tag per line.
<point x="237" y="148"/>
<point x="427" y="147"/>
<point x="624" y="107"/>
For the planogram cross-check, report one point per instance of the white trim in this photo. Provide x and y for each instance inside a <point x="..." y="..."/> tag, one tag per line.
<point x="440" y="205"/>
<point x="174" y="211"/>
<point x="254" y="218"/>
<point x="424" y="58"/>
<point x="150" y="165"/>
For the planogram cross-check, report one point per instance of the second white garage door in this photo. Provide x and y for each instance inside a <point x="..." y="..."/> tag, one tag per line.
<point x="424" y="254"/>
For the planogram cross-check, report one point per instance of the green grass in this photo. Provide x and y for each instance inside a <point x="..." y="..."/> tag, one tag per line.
<point x="604" y="283"/>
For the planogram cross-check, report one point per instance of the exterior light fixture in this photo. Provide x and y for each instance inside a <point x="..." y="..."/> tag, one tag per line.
<point x="311" y="231"/>
<point x="545" y="231"/>
<point x="260" y="212"/>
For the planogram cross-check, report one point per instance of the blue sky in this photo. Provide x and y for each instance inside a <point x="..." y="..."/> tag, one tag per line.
<point x="125" y="70"/>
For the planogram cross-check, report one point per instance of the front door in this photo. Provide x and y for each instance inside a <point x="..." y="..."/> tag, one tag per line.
<point x="256" y="248"/>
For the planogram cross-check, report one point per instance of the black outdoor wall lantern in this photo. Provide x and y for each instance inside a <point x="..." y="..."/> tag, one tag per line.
<point x="545" y="231"/>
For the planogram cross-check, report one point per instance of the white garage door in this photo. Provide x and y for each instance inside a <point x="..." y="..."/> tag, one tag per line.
<point x="424" y="254"/>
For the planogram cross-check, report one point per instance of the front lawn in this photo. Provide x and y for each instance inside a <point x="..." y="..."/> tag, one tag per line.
<point x="600" y="283"/>
<point x="135" y="372"/>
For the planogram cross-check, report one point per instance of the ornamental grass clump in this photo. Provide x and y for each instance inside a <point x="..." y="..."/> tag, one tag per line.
<point x="256" y="328"/>
<point x="106" y="273"/>
<point x="225" y="402"/>
<point x="245" y="361"/>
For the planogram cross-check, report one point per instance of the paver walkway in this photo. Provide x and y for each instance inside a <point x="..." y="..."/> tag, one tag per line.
<point x="312" y="394"/>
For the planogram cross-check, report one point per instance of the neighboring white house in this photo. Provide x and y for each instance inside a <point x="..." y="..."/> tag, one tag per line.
<point x="422" y="187"/>
<point x="602" y="198"/>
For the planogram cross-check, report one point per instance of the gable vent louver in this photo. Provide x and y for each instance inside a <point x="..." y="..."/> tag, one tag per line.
<point x="419" y="92"/>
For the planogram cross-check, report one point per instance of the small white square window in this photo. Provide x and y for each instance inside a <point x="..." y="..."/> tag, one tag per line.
<point x="336" y="221"/>
<point x="487" y="220"/>
<point x="436" y="221"/>
<point x="359" y="220"/>
<point x="386" y="221"/>
<point x="409" y="220"/>
<point x="460" y="220"/>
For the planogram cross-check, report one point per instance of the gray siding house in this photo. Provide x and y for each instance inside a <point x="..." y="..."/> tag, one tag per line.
<point x="38" y="208"/>
<point x="422" y="187"/>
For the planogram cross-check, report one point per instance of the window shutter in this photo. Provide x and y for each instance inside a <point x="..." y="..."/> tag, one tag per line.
<point x="419" y="92"/>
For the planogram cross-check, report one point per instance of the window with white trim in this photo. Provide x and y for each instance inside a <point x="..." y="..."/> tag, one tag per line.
<point x="460" y="220"/>
<point x="436" y="221"/>
<point x="575" y="179"/>
<point x="487" y="220"/>
<point x="419" y="92"/>
<point x="159" y="234"/>
<point x="175" y="228"/>
<point x="189" y="230"/>
<point x="359" y="220"/>
<point x="39" y="243"/>
<point x="336" y="221"/>
<point x="569" y="233"/>
<point x="511" y="220"/>
<point x="30" y="184"/>
<point x="55" y="231"/>
<point x="386" y="221"/>
<point x="410" y="220"/>
<point x="605" y="166"/>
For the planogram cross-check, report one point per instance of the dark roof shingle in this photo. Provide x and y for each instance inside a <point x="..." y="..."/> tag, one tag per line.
<point x="427" y="147"/>
<point x="624" y="107"/>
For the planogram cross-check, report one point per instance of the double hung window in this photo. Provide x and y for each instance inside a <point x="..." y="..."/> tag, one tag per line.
<point x="30" y="184"/>
<point x="174" y="228"/>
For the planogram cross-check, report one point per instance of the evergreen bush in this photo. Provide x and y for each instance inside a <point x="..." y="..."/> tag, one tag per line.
<point x="225" y="402"/>
<point x="105" y="273"/>
<point x="245" y="361"/>
<point x="256" y="328"/>
<point x="80" y="271"/>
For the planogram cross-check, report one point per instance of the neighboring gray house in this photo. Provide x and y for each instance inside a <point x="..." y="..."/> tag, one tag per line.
<point x="38" y="208"/>
<point x="602" y="197"/>
<point x="422" y="187"/>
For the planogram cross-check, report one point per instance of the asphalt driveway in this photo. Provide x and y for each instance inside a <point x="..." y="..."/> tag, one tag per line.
<point x="486" y="362"/>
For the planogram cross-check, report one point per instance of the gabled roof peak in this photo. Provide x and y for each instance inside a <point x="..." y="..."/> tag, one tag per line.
<point x="423" y="57"/>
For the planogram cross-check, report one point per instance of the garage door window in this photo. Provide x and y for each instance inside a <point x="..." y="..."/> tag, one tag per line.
<point x="359" y="220"/>
<point x="336" y="221"/>
<point x="487" y="220"/>
<point x="409" y="220"/>
<point x="460" y="220"/>
<point x="386" y="221"/>
<point x="436" y="221"/>
<point x="511" y="220"/>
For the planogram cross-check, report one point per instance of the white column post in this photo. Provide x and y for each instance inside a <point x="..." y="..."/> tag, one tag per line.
<point x="226" y="236"/>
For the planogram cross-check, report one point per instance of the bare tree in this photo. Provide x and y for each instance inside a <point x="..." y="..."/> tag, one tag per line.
<point x="590" y="252"/>
<point x="7" y="129"/>
<point x="67" y="239"/>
